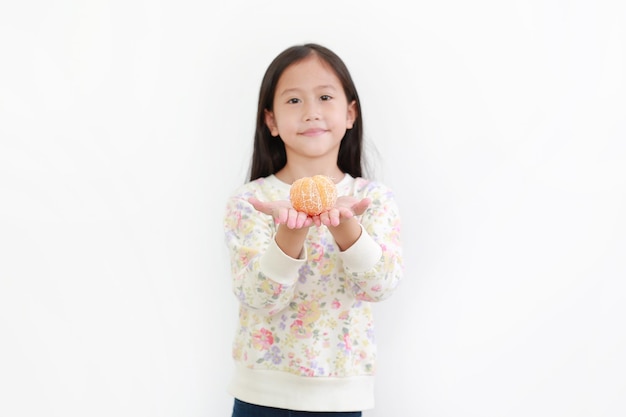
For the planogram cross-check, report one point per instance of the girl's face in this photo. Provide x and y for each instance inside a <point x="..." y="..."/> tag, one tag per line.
<point x="311" y="113"/>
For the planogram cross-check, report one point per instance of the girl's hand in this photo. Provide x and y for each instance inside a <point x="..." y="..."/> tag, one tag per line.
<point x="283" y="213"/>
<point x="345" y="208"/>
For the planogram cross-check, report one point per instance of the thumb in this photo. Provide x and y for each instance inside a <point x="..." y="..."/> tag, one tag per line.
<point x="360" y="207"/>
<point x="259" y="205"/>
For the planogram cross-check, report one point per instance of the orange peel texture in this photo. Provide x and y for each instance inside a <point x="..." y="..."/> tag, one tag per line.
<point x="313" y="195"/>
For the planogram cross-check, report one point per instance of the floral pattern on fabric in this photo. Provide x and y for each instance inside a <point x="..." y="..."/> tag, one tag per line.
<point x="321" y="324"/>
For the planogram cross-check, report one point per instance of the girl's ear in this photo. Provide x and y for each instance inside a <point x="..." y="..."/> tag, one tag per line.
<point x="270" y="121"/>
<point x="351" y="116"/>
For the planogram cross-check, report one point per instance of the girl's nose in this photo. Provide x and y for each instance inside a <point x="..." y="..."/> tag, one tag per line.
<point x="312" y="112"/>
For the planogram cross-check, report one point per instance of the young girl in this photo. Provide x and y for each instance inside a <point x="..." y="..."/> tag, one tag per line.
<point x="305" y="340"/>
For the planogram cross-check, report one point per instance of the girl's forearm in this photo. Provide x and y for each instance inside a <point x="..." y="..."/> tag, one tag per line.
<point x="346" y="233"/>
<point x="291" y="241"/>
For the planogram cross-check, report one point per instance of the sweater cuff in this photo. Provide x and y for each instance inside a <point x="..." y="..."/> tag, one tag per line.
<point x="363" y="254"/>
<point x="280" y="267"/>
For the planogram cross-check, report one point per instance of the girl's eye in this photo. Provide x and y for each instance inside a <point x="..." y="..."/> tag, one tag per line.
<point x="325" y="97"/>
<point x="293" y="100"/>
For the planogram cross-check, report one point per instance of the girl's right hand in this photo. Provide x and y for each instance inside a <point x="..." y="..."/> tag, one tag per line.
<point x="283" y="213"/>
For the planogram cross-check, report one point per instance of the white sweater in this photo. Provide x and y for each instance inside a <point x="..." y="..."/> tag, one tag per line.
<point x="305" y="339"/>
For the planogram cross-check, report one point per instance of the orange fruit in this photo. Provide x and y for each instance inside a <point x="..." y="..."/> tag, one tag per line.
<point x="313" y="195"/>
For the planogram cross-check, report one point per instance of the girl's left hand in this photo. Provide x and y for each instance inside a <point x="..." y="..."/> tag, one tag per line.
<point x="345" y="208"/>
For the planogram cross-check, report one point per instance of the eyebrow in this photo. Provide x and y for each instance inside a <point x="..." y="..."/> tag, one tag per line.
<point x="297" y="90"/>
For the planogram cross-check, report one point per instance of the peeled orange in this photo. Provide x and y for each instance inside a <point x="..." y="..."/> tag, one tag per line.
<point x="313" y="195"/>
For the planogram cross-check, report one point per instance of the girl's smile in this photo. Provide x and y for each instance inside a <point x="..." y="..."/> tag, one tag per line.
<point x="313" y="132"/>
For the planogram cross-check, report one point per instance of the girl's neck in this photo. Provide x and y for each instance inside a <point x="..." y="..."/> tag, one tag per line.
<point x="291" y="173"/>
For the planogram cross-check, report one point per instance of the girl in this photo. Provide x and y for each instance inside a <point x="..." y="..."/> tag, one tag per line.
<point x="305" y="341"/>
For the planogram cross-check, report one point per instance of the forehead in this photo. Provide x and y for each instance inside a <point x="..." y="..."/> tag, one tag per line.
<point x="310" y="72"/>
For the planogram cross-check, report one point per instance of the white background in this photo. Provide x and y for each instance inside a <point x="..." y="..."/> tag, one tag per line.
<point x="124" y="126"/>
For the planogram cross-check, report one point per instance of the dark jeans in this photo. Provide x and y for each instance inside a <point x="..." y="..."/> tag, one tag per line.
<point x="243" y="409"/>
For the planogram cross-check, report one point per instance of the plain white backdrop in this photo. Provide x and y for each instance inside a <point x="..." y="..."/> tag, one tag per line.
<point x="124" y="126"/>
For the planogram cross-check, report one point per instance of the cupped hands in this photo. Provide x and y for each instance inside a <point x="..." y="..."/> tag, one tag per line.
<point x="283" y="212"/>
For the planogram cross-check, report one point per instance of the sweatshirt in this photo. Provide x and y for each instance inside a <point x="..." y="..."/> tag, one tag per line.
<point x="305" y="336"/>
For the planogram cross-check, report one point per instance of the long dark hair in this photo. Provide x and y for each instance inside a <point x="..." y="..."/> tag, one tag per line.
<point x="269" y="156"/>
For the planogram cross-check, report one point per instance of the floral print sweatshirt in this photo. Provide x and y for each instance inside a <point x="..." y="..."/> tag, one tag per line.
<point x="305" y="339"/>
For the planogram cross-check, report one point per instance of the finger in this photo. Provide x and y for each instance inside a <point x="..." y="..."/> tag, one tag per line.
<point x="316" y="220"/>
<point x="281" y="215"/>
<point x="360" y="207"/>
<point x="262" y="206"/>
<point x="301" y="219"/>
<point x="334" y="217"/>
<point x="292" y="218"/>
<point x="256" y="203"/>
<point x="324" y="218"/>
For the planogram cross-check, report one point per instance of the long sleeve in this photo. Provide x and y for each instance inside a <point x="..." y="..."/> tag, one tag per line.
<point x="374" y="263"/>
<point x="263" y="276"/>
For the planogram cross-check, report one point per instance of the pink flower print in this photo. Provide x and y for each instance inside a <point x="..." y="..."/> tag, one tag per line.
<point x="309" y="312"/>
<point x="362" y="296"/>
<point x="262" y="339"/>
<point x="299" y="330"/>
<point x="309" y="353"/>
<point x="347" y="342"/>
<point x="335" y="304"/>
<point x="377" y="288"/>
<point x="243" y="259"/>
<point x="316" y="249"/>
<point x="307" y="371"/>
<point x="271" y="288"/>
<point x="359" y="357"/>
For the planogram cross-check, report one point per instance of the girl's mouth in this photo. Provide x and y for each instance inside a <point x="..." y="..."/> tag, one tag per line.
<point x="313" y="132"/>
